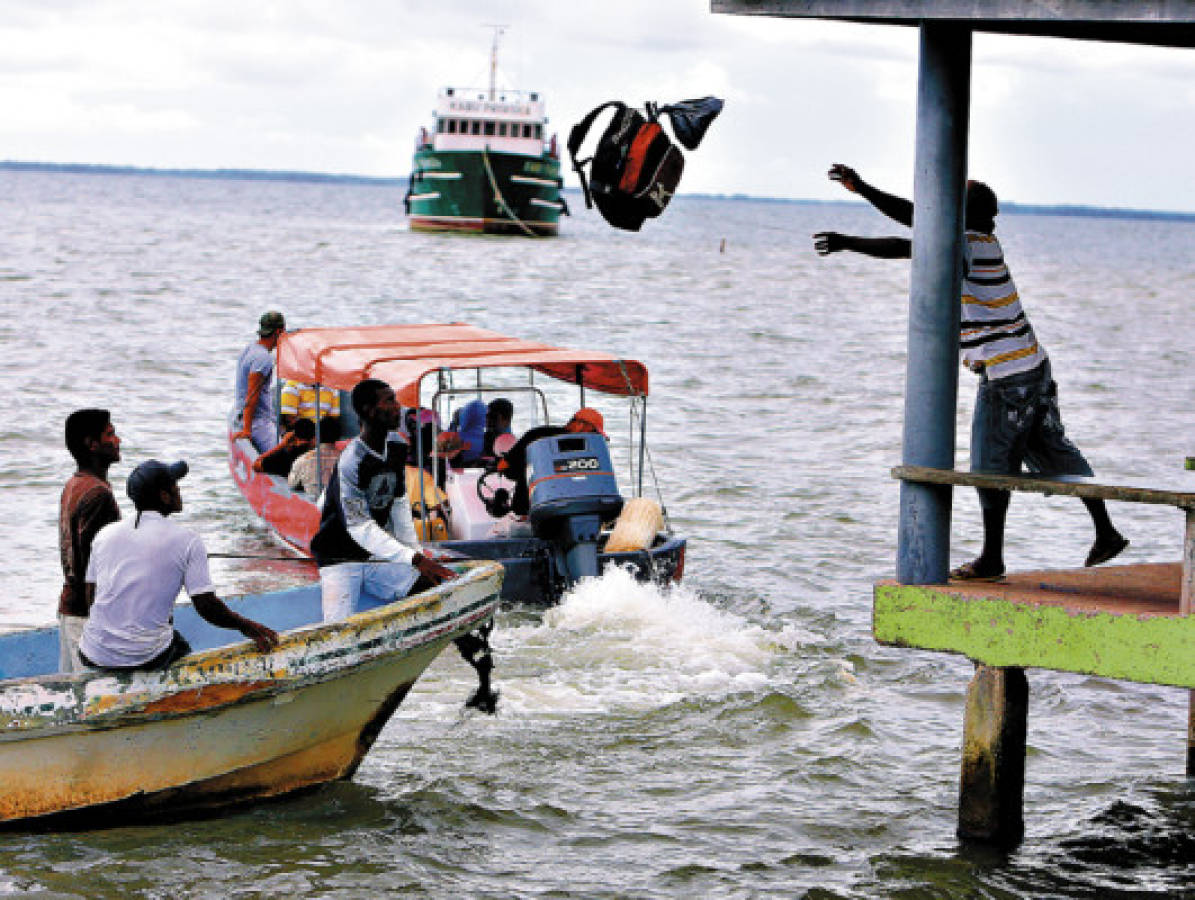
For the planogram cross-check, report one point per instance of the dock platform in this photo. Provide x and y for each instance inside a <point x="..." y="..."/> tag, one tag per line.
<point x="1111" y="621"/>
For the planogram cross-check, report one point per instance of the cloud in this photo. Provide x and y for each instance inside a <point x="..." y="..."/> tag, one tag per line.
<point x="324" y="84"/>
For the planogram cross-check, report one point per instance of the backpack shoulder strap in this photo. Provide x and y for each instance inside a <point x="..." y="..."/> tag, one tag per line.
<point x="576" y="137"/>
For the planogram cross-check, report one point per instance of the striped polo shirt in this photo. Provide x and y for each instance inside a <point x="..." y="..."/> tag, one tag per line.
<point x="298" y="399"/>
<point x="996" y="337"/>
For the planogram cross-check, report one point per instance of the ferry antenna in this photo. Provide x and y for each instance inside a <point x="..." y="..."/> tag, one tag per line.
<point x="498" y="32"/>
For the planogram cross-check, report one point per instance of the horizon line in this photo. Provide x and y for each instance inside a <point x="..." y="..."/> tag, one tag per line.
<point x="294" y="175"/>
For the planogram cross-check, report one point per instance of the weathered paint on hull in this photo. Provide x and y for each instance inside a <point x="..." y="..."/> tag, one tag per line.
<point x="229" y="724"/>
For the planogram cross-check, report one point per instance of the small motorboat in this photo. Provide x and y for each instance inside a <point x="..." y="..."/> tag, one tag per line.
<point x="579" y="522"/>
<point x="227" y="723"/>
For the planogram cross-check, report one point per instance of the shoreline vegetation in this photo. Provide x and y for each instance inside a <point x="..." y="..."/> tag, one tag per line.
<point x="1096" y="212"/>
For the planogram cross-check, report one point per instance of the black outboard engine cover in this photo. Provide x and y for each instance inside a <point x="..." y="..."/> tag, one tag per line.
<point x="572" y="489"/>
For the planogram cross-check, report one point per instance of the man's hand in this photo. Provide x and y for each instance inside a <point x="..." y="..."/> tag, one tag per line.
<point x="243" y="434"/>
<point x="827" y="242"/>
<point x="263" y="636"/>
<point x="846" y="176"/>
<point x="432" y="570"/>
<point x="292" y="441"/>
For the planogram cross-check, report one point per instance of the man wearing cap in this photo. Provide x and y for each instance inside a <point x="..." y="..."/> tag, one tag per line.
<point x="86" y="506"/>
<point x="366" y="546"/>
<point x="135" y="573"/>
<point x="255" y="366"/>
<point x="514" y="464"/>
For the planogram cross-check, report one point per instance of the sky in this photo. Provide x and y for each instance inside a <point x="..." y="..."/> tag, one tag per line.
<point x="342" y="86"/>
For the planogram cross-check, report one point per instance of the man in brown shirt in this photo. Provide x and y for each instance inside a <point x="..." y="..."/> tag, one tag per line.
<point x="87" y="505"/>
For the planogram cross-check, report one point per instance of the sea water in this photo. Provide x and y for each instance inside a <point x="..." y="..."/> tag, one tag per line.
<point x="738" y="735"/>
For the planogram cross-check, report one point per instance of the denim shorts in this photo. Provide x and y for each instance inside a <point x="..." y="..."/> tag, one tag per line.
<point x="1017" y="423"/>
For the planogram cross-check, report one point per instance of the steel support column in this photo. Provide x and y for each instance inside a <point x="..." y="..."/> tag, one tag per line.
<point x="931" y="373"/>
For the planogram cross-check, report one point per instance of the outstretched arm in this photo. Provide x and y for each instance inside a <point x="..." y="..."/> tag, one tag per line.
<point x="893" y="207"/>
<point x="827" y="242"/>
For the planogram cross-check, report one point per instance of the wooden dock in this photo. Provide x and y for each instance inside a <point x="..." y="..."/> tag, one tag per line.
<point x="1133" y="623"/>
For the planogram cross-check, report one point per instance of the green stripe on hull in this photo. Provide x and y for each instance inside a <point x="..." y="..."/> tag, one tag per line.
<point x="453" y="191"/>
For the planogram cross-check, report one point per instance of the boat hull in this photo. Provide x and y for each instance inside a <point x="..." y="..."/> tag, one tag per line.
<point x="484" y="192"/>
<point x="226" y="725"/>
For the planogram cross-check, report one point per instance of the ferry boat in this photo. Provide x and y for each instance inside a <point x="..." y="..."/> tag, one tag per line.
<point x="486" y="165"/>
<point x="579" y="523"/>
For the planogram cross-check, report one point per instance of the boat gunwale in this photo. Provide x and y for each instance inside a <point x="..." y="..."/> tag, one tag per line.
<point x="285" y="669"/>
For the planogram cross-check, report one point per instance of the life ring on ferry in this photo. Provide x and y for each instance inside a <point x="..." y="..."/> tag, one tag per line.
<point x="638" y="524"/>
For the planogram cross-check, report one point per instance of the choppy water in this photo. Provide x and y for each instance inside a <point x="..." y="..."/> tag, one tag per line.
<point x="740" y="736"/>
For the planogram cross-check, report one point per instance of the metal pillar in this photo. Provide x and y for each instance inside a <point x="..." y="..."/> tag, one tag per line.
<point x="931" y="373"/>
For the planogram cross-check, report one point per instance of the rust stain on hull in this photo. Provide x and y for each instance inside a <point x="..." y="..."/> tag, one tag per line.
<point x="202" y="698"/>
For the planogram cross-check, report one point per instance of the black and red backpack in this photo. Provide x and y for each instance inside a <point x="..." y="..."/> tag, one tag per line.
<point x="635" y="168"/>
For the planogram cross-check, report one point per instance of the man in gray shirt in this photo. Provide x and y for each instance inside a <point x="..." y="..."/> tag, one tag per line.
<point x="254" y="402"/>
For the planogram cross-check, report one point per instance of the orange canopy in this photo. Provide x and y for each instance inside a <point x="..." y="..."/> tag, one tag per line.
<point x="401" y="355"/>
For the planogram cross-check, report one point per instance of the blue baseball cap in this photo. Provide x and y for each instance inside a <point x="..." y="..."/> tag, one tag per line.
<point x="152" y="476"/>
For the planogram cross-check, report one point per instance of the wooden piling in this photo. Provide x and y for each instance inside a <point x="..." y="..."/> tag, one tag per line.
<point x="1191" y="735"/>
<point x="992" y="784"/>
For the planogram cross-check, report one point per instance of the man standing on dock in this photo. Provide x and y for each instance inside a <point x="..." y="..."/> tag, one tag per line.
<point x="87" y="505"/>
<point x="366" y="544"/>
<point x="255" y="367"/>
<point x="1016" y="419"/>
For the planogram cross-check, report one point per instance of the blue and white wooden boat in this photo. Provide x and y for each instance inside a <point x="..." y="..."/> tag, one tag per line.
<point x="227" y="723"/>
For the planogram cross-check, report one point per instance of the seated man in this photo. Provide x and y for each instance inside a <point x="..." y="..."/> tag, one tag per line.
<point x="135" y="573"/>
<point x="498" y="416"/>
<point x="298" y="401"/>
<point x="296" y="442"/>
<point x="514" y="464"/>
<point x="366" y="546"/>
<point x="313" y="470"/>
<point x="472" y="432"/>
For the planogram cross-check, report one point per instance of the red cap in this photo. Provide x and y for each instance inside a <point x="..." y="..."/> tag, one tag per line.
<point x="591" y="417"/>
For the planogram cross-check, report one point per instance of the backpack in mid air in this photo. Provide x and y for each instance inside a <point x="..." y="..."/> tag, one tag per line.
<point x="635" y="169"/>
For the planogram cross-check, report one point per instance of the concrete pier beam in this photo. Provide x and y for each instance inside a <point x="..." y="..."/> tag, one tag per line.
<point x="992" y="784"/>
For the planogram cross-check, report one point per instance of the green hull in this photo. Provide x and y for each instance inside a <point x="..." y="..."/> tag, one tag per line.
<point x="455" y="190"/>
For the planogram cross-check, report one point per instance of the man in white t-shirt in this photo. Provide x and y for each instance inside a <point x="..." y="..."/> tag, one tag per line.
<point x="136" y="570"/>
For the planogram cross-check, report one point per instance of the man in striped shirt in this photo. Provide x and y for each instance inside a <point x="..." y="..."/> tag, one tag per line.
<point x="298" y="401"/>
<point x="1016" y="419"/>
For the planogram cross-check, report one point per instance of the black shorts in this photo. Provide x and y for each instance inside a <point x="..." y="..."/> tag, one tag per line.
<point x="177" y="650"/>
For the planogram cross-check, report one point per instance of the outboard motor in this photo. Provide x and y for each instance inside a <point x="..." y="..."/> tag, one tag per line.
<point x="572" y="490"/>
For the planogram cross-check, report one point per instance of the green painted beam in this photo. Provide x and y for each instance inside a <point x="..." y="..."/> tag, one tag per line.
<point x="999" y="632"/>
